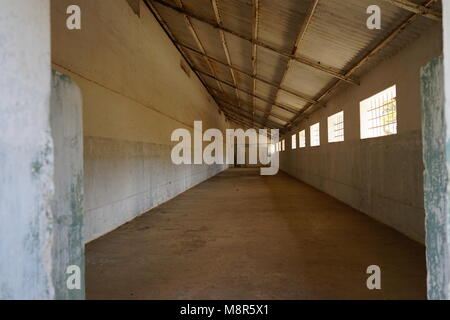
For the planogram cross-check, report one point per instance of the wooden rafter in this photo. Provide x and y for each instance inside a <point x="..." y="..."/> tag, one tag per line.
<point x="303" y="60"/>
<point x="301" y="34"/>
<point x="417" y="8"/>
<point x="254" y="77"/>
<point x="289" y="109"/>
<point x="215" y="5"/>
<point x="382" y="44"/>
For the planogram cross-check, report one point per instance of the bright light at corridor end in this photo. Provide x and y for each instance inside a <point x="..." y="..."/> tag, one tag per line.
<point x="260" y="147"/>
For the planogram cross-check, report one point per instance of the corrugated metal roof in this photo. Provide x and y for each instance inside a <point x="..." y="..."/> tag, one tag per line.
<point x="237" y="15"/>
<point x="281" y="20"/>
<point x="336" y="39"/>
<point x="341" y="27"/>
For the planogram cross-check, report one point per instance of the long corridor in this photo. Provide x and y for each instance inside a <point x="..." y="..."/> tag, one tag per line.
<point x="240" y="235"/>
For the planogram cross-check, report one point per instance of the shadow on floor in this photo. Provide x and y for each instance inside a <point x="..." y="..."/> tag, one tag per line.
<point x="240" y="235"/>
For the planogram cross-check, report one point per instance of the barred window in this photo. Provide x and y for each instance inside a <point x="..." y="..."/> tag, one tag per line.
<point x="302" y="139"/>
<point x="315" y="134"/>
<point x="336" y="127"/>
<point x="294" y="141"/>
<point x="379" y="114"/>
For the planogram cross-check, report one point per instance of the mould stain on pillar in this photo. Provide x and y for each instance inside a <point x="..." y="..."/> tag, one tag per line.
<point x="436" y="178"/>
<point x="68" y="233"/>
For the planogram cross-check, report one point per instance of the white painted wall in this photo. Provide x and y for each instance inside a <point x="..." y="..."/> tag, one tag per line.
<point x="134" y="95"/>
<point x="26" y="151"/>
<point x="381" y="177"/>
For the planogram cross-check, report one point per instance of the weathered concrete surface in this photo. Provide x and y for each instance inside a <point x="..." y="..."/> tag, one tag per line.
<point x="435" y="79"/>
<point x="67" y="205"/>
<point x="243" y="236"/>
<point x="134" y="95"/>
<point x="381" y="177"/>
<point x="141" y="176"/>
<point x="26" y="151"/>
<point x="435" y="179"/>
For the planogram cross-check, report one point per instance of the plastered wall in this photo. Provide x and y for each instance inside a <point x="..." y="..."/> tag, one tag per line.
<point x="381" y="177"/>
<point x="26" y="152"/>
<point x="134" y="95"/>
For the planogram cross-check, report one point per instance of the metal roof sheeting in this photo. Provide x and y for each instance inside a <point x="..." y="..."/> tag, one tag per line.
<point x="335" y="41"/>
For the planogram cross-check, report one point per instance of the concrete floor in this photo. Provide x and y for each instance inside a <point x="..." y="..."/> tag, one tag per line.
<point x="243" y="236"/>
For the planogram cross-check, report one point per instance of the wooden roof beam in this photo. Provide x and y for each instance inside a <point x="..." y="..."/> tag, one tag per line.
<point x="303" y="60"/>
<point x="417" y="8"/>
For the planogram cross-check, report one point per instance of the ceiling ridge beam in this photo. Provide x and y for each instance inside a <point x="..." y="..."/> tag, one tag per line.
<point x="303" y="60"/>
<point x="364" y="59"/>
<point x="215" y="6"/>
<point x="238" y="118"/>
<point x="239" y="123"/>
<point x="246" y="124"/>
<point x="289" y="109"/>
<point x="238" y="114"/>
<point x="255" y="26"/>
<point x="249" y="125"/>
<point x="249" y="113"/>
<point x="288" y="90"/>
<point x="298" y="41"/>
<point x="417" y="8"/>
<point x="226" y="100"/>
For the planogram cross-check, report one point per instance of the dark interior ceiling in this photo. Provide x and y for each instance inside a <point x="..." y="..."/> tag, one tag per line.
<point x="269" y="63"/>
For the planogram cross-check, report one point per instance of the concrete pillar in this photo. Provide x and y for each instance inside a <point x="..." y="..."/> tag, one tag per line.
<point x="26" y="150"/>
<point x="435" y="87"/>
<point x="40" y="174"/>
<point x="67" y="204"/>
